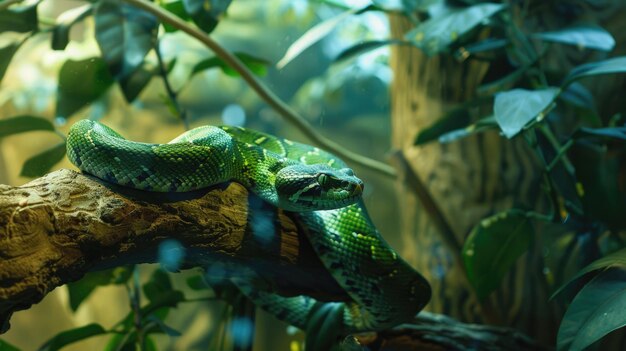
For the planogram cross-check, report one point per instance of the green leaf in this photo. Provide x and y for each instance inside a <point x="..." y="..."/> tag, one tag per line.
<point x="513" y="109"/>
<point x="597" y="310"/>
<point x="614" y="132"/>
<point x="256" y="65"/>
<point x="582" y="36"/>
<point x="436" y="34"/>
<point x="612" y="65"/>
<point x="492" y="248"/>
<point x="487" y="123"/>
<point x="125" y="34"/>
<point x="21" y="124"/>
<point x="122" y="342"/>
<point x="197" y="282"/>
<point x="178" y="9"/>
<point x="206" y="13"/>
<point x="81" y="83"/>
<point x="615" y="259"/>
<point x="5" y="346"/>
<point x="366" y="46"/>
<point x="19" y="19"/>
<point x="61" y="32"/>
<point x="73" y="335"/>
<point x="158" y="284"/>
<point x="312" y="36"/>
<point x="133" y="84"/>
<point x="81" y="289"/>
<point x="41" y="163"/>
<point x="6" y="54"/>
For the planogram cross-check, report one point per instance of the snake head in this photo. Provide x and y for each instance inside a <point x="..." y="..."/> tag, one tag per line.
<point x="316" y="187"/>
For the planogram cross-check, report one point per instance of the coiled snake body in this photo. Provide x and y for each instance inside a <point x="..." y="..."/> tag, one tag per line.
<point x="315" y="184"/>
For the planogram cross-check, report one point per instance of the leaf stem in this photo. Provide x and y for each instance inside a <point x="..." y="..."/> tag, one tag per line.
<point x="263" y="91"/>
<point x="172" y="95"/>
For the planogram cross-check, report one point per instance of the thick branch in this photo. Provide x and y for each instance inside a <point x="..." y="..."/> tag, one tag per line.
<point x="56" y="228"/>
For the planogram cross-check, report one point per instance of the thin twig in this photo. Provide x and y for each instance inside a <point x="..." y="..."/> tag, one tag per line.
<point x="173" y="96"/>
<point x="264" y="93"/>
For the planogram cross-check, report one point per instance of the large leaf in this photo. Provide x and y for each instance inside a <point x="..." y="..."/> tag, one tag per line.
<point x="313" y="35"/>
<point x="21" y="124"/>
<point x="612" y="65"/>
<point x="598" y="309"/>
<point x="615" y="259"/>
<point x="61" y="32"/>
<point x="487" y="123"/>
<point x="513" y="109"/>
<point x="133" y="84"/>
<point x="20" y="19"/>
<point x="6" y="54"/>
<point x="39" y="164"/>
<point x="206" y="13"/>
<point x="455" y="119"/>
<point x="71" y="336"/>
<point x="80" y="83"/>
<point x="437" y="33"/>
<point x="125" y="34"/>
<point x="582" y="36"/>
<point x="81" y="289"/>
<point x="158" y="284"/>
<point x="492" y="248"/>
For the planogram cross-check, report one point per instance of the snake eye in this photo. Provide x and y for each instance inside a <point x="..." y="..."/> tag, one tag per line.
<point x="322" y="179"/>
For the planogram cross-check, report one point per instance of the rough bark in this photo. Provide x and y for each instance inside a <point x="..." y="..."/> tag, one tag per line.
<point x="58" y="227"/>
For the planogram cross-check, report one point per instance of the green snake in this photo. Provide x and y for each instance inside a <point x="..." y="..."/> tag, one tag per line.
<point x="317" y="186"/>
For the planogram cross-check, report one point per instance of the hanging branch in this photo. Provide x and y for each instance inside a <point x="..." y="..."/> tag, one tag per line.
<point x="263" y="91"/>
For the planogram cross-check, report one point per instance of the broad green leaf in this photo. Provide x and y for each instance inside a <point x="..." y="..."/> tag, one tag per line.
<point x="125" y="34"/>
<point x="256" y="65"/>
<point x="122" y="342"/>
<point x="19" y="19"/>
<point x="81" y="289"/>
<point x="486" y="45"/>
<point x="612" y="65"/>
<point x="6" y="54"/>
<point x="615" y="259"/>
<point x="492" y="248"/>
<point x="312" y="36"/>
<point x="206" y="13"/>
<point x="61" y="32"/>
<point x="160" y="326"/>
<point x="366" y="46"/>
<point x="5" y="346"/>
<point x="437" y="33"/>
<point x="597" y="310"/>
<point x="133" y="84"/>
<point x="21" y="124"/>
<point x="324" y="325"/>
<point x="39" y="164"/>
<point x="578" y="95"/>
<point x="158" y="284"/>
<point x="71" y="336"/>
<point x="582" y="36"/>
<point x="513" y="109"/>
<point x="80" y="83"/>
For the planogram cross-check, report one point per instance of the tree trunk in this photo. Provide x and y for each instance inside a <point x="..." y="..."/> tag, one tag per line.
<point x="467" y="180"/>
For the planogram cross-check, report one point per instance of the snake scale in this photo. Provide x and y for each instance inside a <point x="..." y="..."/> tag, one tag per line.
<point x="322" y="191"/>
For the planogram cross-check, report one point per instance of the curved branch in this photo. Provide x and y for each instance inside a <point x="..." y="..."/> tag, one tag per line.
<point x="264" y="93"/>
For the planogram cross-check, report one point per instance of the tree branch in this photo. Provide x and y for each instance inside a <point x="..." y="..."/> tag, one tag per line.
<point x="56" y="228"/>
<point x="264" y="92"/>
